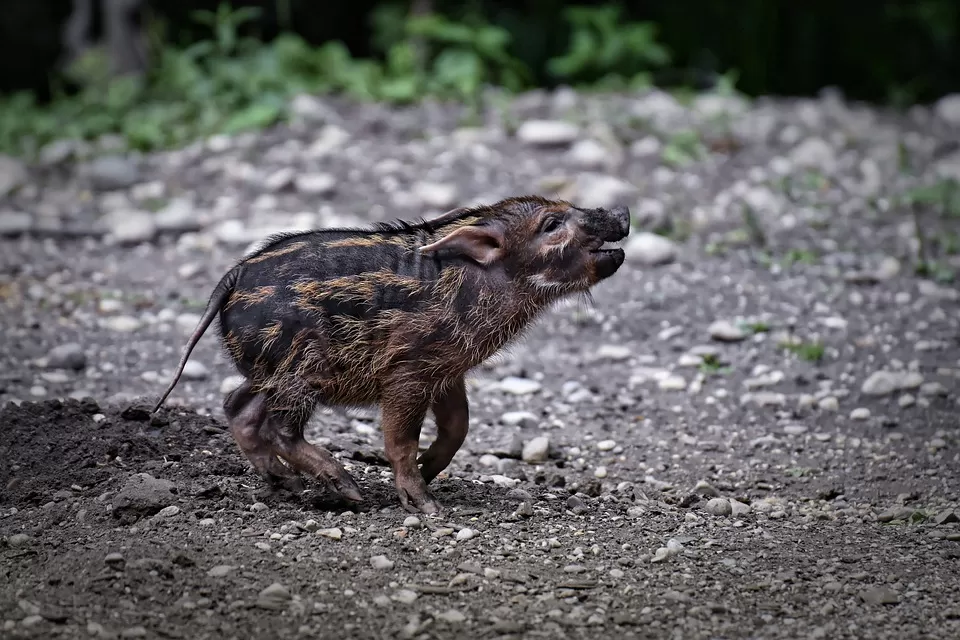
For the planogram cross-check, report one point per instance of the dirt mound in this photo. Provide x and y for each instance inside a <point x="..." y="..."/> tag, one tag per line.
<point x="52" y="446"/>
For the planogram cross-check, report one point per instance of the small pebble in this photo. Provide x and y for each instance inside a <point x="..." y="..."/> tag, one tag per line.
<point x="114" y="560"/>
<point x="704" y="488"/>
<point x="726" y="331"/>
<point x="606" y="445"/>
<point x="405" y="596"/>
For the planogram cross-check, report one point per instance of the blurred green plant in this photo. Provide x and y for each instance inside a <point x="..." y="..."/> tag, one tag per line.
<point x="607" y="53"/>
<point x="228" y="83"/>
<point x="809" y="351"/>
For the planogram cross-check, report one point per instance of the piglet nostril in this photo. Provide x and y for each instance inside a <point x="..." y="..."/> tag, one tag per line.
<point x="622" y="214"/>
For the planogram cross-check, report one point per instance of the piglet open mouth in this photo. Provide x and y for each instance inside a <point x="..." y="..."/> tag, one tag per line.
<point x="608" y="246"/>
<point x="607" y="257"/>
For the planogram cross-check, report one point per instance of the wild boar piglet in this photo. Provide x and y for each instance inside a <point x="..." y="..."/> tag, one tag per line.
<point x="392" y="316"/>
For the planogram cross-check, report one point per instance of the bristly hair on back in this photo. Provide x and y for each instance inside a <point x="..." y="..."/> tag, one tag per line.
<point x="520" y="204"/>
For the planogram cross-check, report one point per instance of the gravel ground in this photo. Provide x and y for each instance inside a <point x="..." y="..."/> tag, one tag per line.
<point x="752" y="432"/>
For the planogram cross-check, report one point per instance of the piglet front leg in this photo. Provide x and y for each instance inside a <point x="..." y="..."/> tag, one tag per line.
<point x="403" y="410"/>
<point x="452" y="413"/>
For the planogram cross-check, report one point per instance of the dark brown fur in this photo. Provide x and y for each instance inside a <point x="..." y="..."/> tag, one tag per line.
<point x="394" y="316"/>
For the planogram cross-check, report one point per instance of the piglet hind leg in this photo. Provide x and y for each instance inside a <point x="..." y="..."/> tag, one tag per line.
<point x="452" y="414"/>
<point x="246" y="414"/>
<point x="284" y="429"/>
<point x="403" y="410"/>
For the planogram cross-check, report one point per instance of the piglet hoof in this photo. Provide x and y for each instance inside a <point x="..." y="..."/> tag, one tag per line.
<point x="344" y="484"/>
<point x="418" y="500"/>
<point x="338" y="481"/>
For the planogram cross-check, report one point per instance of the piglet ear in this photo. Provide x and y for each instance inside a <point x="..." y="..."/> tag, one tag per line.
<point x="482" y="244"/>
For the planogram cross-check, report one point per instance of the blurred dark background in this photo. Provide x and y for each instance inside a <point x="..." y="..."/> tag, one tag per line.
<point x="871" y="49"/>
<point x="197" y="67"/>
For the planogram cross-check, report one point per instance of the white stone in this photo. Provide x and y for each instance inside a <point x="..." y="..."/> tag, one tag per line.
<point x="310" y="108"/>
<point x="536" y="450"/>
<point x="613" y="352"/>
<point x="334" y="533"/>
<point x="315" y="184"/>
<point x="881" y="383"/>
<point x="650" y="249"/>
<point x="600" y="190"/>
<point x="606" y="445"/>
<point x="121" y="324"/>
<point x="689" y="360"/>
<point x="726" y="331"/>
<point x="547" y="132"/>
<point x="178" y="215"/>
<point x="195" y="370"/>
<point x="814" y="153"/>
<point x="672" y="383"/>
<point x="519" y="418"/>
<point x="230" y="383"/>
<point x="718" y="507"/>
<point x="645" y="147"/>
<point x="436" y="195"/>
<point x="279" y="179"/>
<point x="330" y="140"/>
<point x="947" y="109"/>
<point x="829" y="403"/>
<point x="860" y="413"/>
<point x="14" y="222"/>
<point x="519" y="386"/>
<point x="131" y="227"/>
<point x="489" y="460"/>
<point x="738" y="508"/>
<point x="588" y="154"/>
<point x="13" y="174"/>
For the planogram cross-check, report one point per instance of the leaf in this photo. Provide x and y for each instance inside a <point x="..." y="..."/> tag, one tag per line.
<point x="403" y="89"/>
<point x="255" y="116"/>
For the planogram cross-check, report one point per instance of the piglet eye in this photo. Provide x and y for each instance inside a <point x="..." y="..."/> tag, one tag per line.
<point x="550" y="225"/>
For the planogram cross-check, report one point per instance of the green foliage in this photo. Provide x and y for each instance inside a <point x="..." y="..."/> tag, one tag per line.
<point x="683" y="148"/>
<point x="711" y="365"/>
<point x="607" y="52"/>
<point x="809" y="351"/>
<point x="942" y="196"/>
<point x="228" y="83"/>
